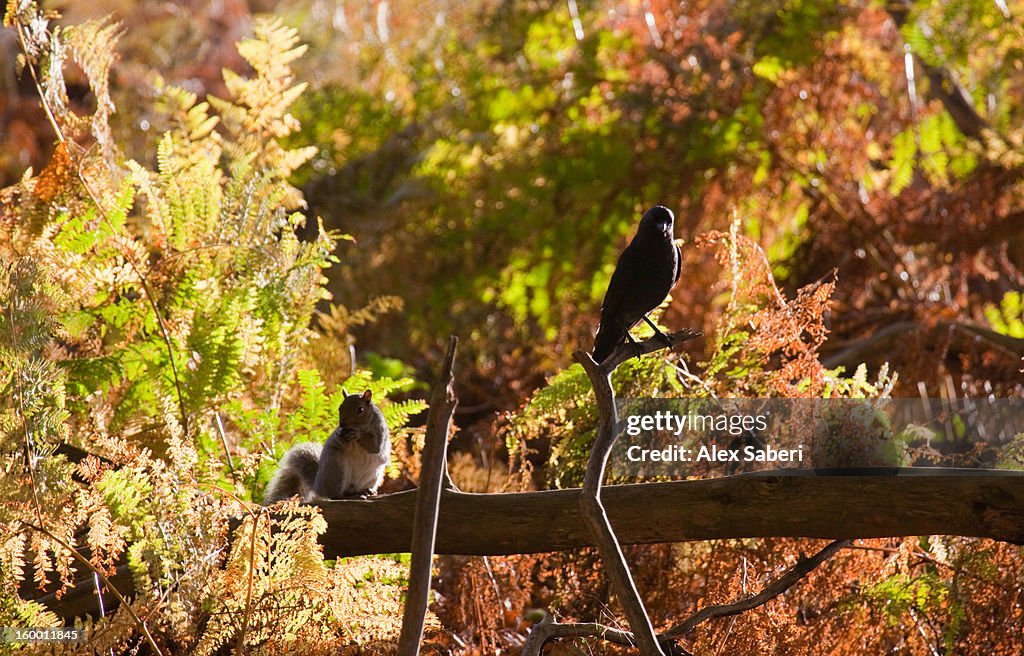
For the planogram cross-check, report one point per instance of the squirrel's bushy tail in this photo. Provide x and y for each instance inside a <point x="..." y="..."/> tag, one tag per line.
<point x="295" y="474"/>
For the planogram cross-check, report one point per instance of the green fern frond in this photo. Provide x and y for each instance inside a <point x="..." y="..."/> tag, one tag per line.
<point x="256" y="115"/>
<point x="316" y="413"/>
<point x="397" y="414"/>
<point x="215" y="359"/>
<point x="902" y="163"/>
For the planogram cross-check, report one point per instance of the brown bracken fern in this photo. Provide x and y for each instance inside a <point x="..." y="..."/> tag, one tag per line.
<point x="156" y="311"/>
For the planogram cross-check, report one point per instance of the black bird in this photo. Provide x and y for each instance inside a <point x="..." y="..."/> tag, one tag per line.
<point x="646" y="272"/>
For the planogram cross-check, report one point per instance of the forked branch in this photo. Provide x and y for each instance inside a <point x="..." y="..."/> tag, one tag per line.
<point x="590" y="501"/>
<point x="548" y="629"/>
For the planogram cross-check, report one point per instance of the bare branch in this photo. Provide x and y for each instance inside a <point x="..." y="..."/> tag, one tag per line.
<point x="428" y="500"/>
<point x="590" y="500"/>
<point x="649" y="345"/>
<point x="548" y="629"/>
<point x="803" y="567"/>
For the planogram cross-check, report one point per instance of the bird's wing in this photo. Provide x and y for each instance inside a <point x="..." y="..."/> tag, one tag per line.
<point x="623" y="279"/>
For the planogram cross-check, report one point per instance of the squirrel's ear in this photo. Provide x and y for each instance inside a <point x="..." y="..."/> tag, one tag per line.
<point x="367" y="395"/>
<point x="344" y="393"/>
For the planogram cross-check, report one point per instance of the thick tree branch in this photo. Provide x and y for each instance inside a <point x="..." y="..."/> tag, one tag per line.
<point x="827" y="504"/>
<point x="863" y="503"/>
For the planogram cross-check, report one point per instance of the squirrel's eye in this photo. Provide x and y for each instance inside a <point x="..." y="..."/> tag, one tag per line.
<point x="362" y="410"/>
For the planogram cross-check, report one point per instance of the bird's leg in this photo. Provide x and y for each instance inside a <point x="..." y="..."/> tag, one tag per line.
<point x="664" y="337"/>
<point x="637" y="349"/>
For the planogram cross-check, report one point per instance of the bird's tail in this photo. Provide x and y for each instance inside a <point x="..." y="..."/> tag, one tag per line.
<point x="608" y="337"/>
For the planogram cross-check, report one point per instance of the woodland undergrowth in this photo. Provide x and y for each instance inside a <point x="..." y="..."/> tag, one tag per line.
<point x="157" y="314"/>
<point x="157" y="311"/>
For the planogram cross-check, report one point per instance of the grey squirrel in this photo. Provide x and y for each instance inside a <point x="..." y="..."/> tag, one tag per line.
<point x="350" y="463"/>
